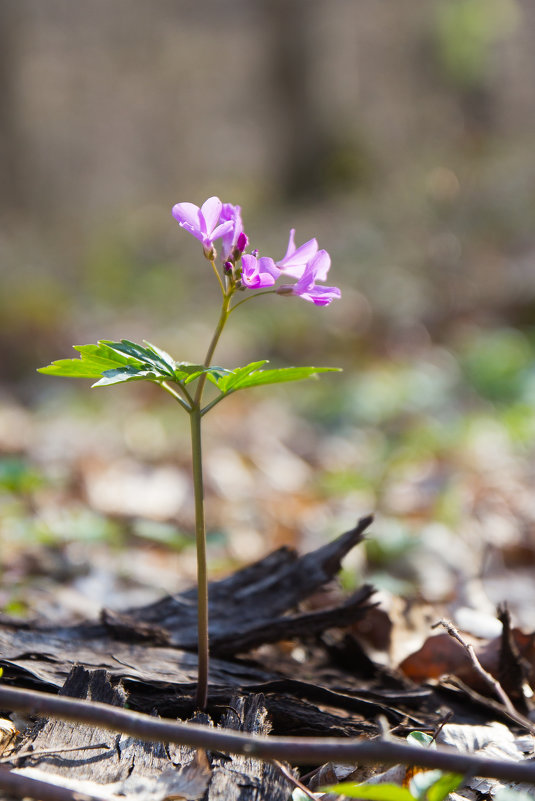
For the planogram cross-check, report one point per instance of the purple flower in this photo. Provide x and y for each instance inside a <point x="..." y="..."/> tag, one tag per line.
<point x="258" y="272"/>
<point x="234" y="237"/>
<point x="203" y="222"/>
<point x="306" y="287"/>
<point x="296" y="259"/>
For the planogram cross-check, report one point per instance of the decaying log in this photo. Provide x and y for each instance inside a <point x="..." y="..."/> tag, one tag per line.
<point x="148" y="655"/>
<point x="102" y="764"/>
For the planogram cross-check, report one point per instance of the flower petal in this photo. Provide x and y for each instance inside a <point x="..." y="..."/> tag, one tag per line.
<point x="296" y="259"/>
<point x="322" y="295"/>
<point x="211" y="211"/>
<point x="258" y="273"/>
<point x="187" y="213"/>
<point x="320" y="265"/>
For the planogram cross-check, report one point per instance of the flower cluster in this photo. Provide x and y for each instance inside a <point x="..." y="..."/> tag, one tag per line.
<point x="306" y="264"/>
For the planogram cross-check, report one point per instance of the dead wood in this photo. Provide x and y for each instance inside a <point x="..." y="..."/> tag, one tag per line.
<point x="247" y="610"/>
<point x="124" y="765"/>
<point x="295" y="750"/>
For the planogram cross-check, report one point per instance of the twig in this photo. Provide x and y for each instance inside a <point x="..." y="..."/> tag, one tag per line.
<point x="51" y="752"/>
<point x="295" y="750"/>
<point x="291" y="778"/>
<point x="20" y="786"/>
<point x="487" y="677"/>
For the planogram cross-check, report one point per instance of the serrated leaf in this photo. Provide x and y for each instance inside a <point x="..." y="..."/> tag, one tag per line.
<point x="228" y="382"/>
<point x="373" y="792"/>
<point x="186" y="373"/>
<point x="127" y="373"/>
<point x="72" y="368"/>
<point x="279" y="376"/>
<point x="103" y="355"/>
<point x="164" y="356"/>
<point x="141" y="354"/>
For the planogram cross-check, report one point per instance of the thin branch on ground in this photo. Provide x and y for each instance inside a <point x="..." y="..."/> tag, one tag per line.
<point x="20" y="786"/>
<point x="29" y="754"/>
<point x="487" y="677"/>
<point x="295" y="750"/>
<point x="291" y="778"/>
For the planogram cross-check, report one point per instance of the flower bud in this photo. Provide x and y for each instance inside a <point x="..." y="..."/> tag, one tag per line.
<point x="241" y="244"/>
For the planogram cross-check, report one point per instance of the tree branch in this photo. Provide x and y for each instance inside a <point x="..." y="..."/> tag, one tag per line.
<point x="296" y="750"/>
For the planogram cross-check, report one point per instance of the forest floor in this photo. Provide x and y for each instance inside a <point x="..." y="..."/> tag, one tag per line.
<point x="436" y="443"/>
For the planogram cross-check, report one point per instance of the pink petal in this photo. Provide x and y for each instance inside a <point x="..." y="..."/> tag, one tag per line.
<point x="221" y="230"/>
<point x="266" y="265"/>
<point x="322" y="295"/>
<point x="187" y="213"/>
<point x="291" y="245"/>
<point x="211" y="211"/>
<point x="296" y="259"/>
<point x="320" y="265"/>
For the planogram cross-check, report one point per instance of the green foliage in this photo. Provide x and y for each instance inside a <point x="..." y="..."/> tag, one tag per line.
<point x="498" y="364"/>
<point x="372" y="792"/>
<point x="421" y="738"/>
<point x="466" y="32"/>
<point x="431" y="785"/>
<point x="434" y="785"/>
<point x="124" y="361"/>
<point x="252" y="376"/>
<point x="17" y="476"/>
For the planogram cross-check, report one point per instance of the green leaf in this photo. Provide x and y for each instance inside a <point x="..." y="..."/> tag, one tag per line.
<point x="252" y="376"/>
<point x="72" y="368"/>
<point x="373" y="792"/>
<point x="446" y="784"/>
<point x="141" y="354"/>
<point x="226" y="383"/>
<point x="102" y="354"/>
<point x="422" y="739"/>
<point x="93" y="361"/>
<point x="434" y="785"/>
<point x="164" y="356"/>
<point x="127" y="373"/>
<point x="281" y="375"/>
<point x="187" y="373"/>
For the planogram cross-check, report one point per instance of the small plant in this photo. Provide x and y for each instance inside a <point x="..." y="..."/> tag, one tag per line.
<point x="237" y="273"/>
<point x="427" y="785"/>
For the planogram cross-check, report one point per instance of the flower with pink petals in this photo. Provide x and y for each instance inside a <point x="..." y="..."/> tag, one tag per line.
<point x="204" y="222"/>
<point x="306" y="287"/>
<point x="257" y="273"/>
<point x="234" y="237"/>
<point x="296" y="259"/>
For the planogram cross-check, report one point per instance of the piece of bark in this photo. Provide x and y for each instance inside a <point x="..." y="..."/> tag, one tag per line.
<point x="246" y="611"/>
<point x="42" y="659"/>
<point x="246" y="605"/>
<point x="125" y="766"/>
<point x="244" y="778"/>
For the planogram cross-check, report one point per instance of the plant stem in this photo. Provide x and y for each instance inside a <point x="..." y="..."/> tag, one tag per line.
<point x="225" y="311"/>
<point x="202" y="573"/>
<point x="195" y="416"/>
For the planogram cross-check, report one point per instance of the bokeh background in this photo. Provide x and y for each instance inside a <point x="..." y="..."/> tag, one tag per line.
<point x="401" y="134"/>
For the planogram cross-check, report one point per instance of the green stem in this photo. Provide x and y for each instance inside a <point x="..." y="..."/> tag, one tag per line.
<point x="202" y="573"/>
<point x="225" y="311"/>
<point x="185" y="402"/>
<point x="251" y="297"/>
<point x="195" y="416"/>
<point x="216" y="271"/>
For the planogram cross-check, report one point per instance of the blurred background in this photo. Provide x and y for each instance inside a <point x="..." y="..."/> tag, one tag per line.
<point x="401" y="134"/>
